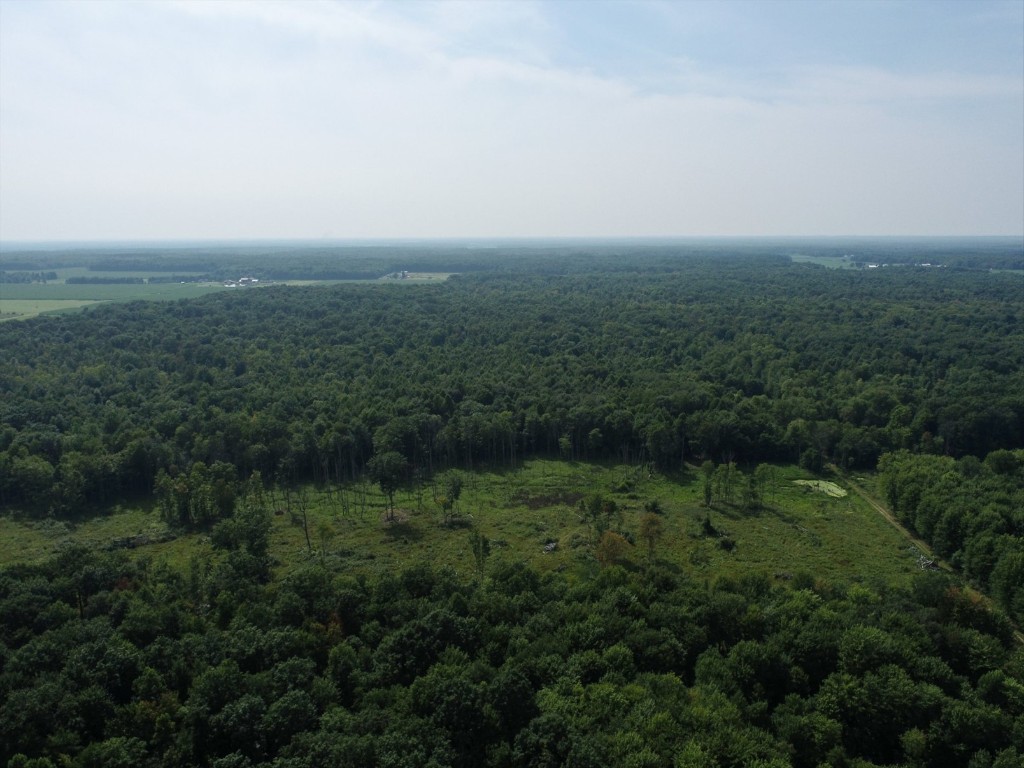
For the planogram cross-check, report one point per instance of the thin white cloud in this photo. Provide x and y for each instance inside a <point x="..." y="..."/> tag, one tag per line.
<point x="195" y="119"/>
<point x="876" y="86"/>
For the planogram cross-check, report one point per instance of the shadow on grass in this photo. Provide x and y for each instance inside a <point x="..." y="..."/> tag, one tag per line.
<point x="680" y="477"/>
<point x="733" y="512"/>
<point x="663" y="565"/>
<point x="402" y="531"/>
<point x="779" y="514"/>
<point x="82" y="513"/>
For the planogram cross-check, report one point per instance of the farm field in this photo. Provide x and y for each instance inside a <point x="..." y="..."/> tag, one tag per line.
<point x="66" y="272"/>
<point x="21" y="309"/>
<point x="103" y="292"/>
<point x="421" y="277"/>
<point x="831" y="262"/>
<point x="519" y="511"/>
<point x="20" y="301"/>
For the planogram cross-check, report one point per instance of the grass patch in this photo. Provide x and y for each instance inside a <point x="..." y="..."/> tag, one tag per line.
<point x="19" y="301"/>
<point x="134" y="527"/>
<point x="521" y="510"/>
<point x="104" y="292"/>
<point x="22" y="309"/>
<point x="831" y="262"/>
<point x="423" y="277"/>
<point x="66" y="272"/>
<point x="823" y="486"/>
<point x="22" y="542"/>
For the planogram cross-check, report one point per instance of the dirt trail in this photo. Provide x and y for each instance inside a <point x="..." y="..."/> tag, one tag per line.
<point x="881" y="509"/>
<point x="925" y="549"/>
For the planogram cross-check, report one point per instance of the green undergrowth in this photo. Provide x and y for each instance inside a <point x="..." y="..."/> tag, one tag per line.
<point x="519" y="511"/>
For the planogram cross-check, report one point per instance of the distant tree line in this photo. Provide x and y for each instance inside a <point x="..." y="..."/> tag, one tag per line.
<point x="26" y="277"/>
<point x="105" y="280"/>
<point x="336" y="261"/>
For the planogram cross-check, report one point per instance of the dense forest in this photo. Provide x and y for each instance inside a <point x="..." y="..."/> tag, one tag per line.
<point x="969" y="511"/>
<point x="662" y="357"/>
<point x="745" y="359"/>
<point x="109" y="662"/>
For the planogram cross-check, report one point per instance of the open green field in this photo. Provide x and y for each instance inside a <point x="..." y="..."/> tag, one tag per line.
<point x="24" y="300"/>
<point x="823" y="486"/>
<point x="19" y="301"/>
<point x="21" y="309"/>
<point x="65" y="292"/>
<point x="66" y="272"/>
<point x="798" y="528"/>
<point x="832" y="262"/>
<point x="421" y="277"/>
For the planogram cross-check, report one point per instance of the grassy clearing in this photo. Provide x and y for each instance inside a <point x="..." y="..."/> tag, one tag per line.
<point x="823" y="486"/>
<point x="316" y="282"/>
<point x="65" y="273"/>
<point x="91" y="293"/>
<point x="426" y="276"/>
<point x="832" y="262"/>
<point x="30" y="541"/>
<point x="65" y="292"/>
<point x="22" y="542"/>
<point x="21" y="309"/>
<point x="519" y="511"/>
<point x="19" y="301"/>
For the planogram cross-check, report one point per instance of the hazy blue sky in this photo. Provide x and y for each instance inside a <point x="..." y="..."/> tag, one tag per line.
<point x="134" y="120"/>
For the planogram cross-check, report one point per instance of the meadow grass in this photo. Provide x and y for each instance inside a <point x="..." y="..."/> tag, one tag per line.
<point x="25" y="542"/>
<point x="104" y="292"/>
<point x="21" y="309"/>
<point x="66" y="272"/>
<point x="823" y="486"/>
<point x="798" y="529"/>
<point x="19" y="301"/>
<point x="832" y="262"/>
<point x="424" y="277"/>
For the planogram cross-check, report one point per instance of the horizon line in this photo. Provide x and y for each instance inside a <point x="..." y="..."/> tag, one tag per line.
<point x="199" y="241"/>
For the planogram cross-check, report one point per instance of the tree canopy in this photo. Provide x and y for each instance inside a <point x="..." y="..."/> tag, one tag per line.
<point x="108" y="661"/>
<point x="659" y="357"/>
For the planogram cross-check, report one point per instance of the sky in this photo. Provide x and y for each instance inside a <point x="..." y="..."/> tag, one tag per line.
<point x="333" y="120"/>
